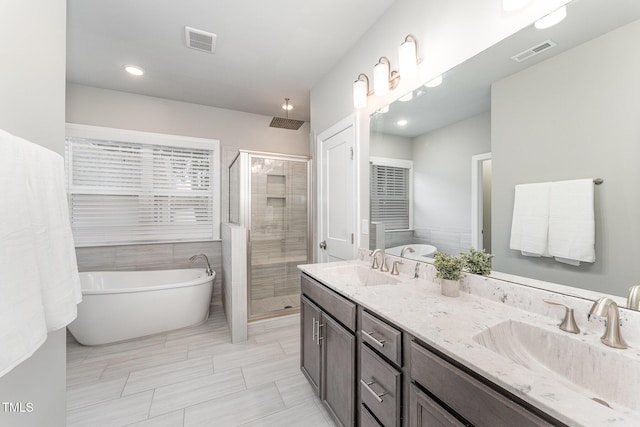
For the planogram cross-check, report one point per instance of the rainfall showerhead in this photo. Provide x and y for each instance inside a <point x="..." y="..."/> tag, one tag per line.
<point x="286" y="123"/>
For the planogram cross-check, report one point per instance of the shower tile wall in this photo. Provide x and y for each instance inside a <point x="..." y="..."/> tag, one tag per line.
<point x="278" y="232"/>
<point x="150" y="257"/>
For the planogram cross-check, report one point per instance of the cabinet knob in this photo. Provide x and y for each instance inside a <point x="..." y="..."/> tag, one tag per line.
<point x="323" y="245"/>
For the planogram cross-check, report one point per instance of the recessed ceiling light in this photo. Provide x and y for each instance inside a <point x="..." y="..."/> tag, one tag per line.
<point x="551" y="19"/>
<point x="435" y="82"/>
<point x="402" y="122"/>
<point x="134" y="70"/>
<point x="384" y="109"/>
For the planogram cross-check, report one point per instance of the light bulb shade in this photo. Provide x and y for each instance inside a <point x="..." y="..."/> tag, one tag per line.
<point x="360" y="89"/>
<point x="551" y="19"/>
<point x="434" y="82"/>
<point x="381" y="78"/>
<point x="513" y="5"/>
<point x="408" y="59"/>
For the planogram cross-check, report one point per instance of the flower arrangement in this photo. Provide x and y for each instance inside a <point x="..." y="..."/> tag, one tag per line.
<point x="477" y="262"/>
<point x="449" y="266"/>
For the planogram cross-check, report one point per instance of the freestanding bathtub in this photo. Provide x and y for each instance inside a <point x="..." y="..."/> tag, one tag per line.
<point x="421" y="251"/>
<point x="120" y="305"/>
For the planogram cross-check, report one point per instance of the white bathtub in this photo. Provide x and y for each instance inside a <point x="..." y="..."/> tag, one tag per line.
<point x="421" y="251"/>
<point x="120" y="305"/>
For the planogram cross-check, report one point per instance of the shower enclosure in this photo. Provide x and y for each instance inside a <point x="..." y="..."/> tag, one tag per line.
<point x="269" y="196"/>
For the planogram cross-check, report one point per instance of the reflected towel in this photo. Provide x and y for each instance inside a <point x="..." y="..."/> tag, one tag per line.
<point x="572" y="221"/>
<point x="39" y="283"/>
<point x="530" y="224"/>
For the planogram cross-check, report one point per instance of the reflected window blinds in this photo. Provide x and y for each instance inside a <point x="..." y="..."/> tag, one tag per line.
<point x="390" y="196"/>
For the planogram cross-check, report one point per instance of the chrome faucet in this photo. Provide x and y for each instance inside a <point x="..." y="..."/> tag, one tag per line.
<point x="383" y="265"/>
<point x="569" y="322"/>
<point x="633" y="300"/>
<point x="606" y="307"/>
<point x="406" y="249"/>
<point x="195" y="257"/>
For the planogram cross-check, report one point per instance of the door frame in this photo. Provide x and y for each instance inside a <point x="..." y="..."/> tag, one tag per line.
<point x="476" y="199"/>
<point x="349" y="121"/>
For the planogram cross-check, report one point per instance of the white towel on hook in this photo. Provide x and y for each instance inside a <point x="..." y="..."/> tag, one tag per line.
<point x="530" y="224"/>
<point x="39" y="283"/>
<point x="572" y="221"/>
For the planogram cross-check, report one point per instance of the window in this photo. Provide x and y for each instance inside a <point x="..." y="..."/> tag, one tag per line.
<point x="129" y="187"/>
<point x="391" y="193"/>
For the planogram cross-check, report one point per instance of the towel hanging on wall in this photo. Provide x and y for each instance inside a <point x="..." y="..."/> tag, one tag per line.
<point x="572" y="221"/>
<point x="39" y="281"/>
<point x="530" y="225"/>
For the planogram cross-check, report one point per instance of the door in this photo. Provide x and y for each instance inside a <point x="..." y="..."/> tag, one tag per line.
<point x="481" y="201"/>
<point x="337" y="391"/>
<point x="425" y="412"/>
<point x="310" y="342"/>
<point x="337" y="224"/>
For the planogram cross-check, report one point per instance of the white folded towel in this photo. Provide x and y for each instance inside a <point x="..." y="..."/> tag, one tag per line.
<point x="39" y="283"/>
<point x="530" y="224"/>
<point x="572" y="221"/>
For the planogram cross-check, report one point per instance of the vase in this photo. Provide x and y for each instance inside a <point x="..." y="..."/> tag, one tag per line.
<point x="450" y="288"/>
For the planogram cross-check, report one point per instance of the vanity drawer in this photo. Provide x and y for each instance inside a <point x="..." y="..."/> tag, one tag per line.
<point x="380" y="387"/>
<point x="386" y="339"/>
<point x="473" y="400"/>
<point x="339" y="307"/>
<point x="366" y="419"/>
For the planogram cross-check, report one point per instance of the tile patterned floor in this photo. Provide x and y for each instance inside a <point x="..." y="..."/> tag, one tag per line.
<point x="194" y="377"/>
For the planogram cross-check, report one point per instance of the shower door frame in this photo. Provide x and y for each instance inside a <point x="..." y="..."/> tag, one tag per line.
<point x="245" y="158"/>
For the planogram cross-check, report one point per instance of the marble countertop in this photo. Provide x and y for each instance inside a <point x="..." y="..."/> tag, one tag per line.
<point x="449" y="325"/>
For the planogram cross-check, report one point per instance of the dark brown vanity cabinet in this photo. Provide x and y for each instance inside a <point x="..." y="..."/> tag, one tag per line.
<point x="328" y="348"/>
<point x="468" y="400"/>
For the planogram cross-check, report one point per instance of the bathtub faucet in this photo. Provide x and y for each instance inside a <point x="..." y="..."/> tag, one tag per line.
<point x="195" y="257"/>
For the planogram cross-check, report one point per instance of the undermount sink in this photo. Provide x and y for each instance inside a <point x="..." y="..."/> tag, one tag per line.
<point x="364" y="276"/>
<point x="608" y="376"/>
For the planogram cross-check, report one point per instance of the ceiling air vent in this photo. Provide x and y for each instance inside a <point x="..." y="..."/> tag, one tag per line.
<point x="533" y="51"/>
<point x="200" y="40"/>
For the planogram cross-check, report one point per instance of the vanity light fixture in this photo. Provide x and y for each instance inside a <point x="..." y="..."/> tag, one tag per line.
<point x="551" y="19"/>
<point x="434" y="82"/>
<point x="409" y="57"/>
<point x="361" y="91"/>
<point x="513" y="5"/>
<point x="384" y="79"/>
<point x="402" y="122"/>
<point x="134" y="70"/>
<point x="407" y="97"/>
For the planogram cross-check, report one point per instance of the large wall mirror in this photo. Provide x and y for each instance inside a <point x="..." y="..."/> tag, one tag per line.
<point x="444" y="160"/>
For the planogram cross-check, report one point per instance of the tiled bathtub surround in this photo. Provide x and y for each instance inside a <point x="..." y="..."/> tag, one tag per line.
<point x="151" y="257"/>
<point x="450" y="324"/>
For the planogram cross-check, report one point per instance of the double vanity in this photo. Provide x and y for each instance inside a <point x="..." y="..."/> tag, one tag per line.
<point x="390" y="350"/>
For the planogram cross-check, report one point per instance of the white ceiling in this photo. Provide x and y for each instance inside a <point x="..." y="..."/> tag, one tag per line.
<point x="266" y="50"/>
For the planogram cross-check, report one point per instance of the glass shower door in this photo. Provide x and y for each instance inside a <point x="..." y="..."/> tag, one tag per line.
<point x="278" y="233"/>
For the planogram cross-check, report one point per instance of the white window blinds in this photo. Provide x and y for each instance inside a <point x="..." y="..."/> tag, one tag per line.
<point x="390" y="193"/>
<point x="128" y="192"/>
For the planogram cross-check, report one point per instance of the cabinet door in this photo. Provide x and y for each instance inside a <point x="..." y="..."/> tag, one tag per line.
<point x="425" y="412"/>
<point x="338" y="371"/>
<point x="310" y="317"/>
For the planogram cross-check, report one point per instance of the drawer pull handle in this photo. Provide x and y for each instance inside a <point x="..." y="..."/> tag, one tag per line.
<point x="367" y="385"/>
<point x="313" y="329"/>
<point x="369" y="335"/>
<point x="320" y="337"/>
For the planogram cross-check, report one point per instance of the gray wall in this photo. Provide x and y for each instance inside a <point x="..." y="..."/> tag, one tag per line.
<point x="390" y="146"/>
<point x="32" y="84"/>
<point x="576" y="115"/>
<point x="442" y="182"/>
<point x="235" y="130"/>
